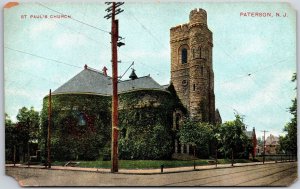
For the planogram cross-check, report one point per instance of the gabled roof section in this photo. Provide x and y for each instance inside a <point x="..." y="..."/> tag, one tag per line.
<point x="87" y="81"/>
<point x="141" y="83"/>
<point x="90" y="81"/>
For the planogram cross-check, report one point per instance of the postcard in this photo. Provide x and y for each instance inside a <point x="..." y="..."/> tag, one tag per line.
<point x="150" y="94"/>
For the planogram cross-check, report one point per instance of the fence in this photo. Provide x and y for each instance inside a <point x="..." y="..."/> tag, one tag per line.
<point x="279" y="157"/>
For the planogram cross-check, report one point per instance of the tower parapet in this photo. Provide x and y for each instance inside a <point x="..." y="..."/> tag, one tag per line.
<point x="179" y="32"/>
<point x="198" y="16"/>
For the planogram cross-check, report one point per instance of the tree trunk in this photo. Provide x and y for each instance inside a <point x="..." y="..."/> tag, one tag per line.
<point x="231" y="157"/>
<point x="216" y="157"/>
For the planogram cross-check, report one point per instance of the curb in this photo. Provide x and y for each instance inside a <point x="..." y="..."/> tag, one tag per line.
<point x="135" y="171"/>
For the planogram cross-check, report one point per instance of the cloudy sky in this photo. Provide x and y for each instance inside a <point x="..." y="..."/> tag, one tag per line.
<point x="253" y="57"/>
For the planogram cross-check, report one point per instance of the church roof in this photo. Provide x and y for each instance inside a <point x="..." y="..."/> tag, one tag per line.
<point x="145" y="82"/>
<point x="91" y="81"/>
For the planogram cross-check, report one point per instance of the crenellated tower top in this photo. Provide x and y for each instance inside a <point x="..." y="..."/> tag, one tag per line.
<point x="198" y="16"/>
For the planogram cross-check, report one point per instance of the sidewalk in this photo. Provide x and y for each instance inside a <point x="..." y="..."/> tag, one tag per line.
<point x="143" y="171"/>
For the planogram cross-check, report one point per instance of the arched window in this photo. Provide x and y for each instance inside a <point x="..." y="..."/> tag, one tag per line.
<point x="207" y="54"/>
<point x="193" y="52"/>
<point x="178" y="117"/>
<point x="184" y="56"/>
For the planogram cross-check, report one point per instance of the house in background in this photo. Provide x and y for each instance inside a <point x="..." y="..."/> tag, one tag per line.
<point x="252" y="136"/>
<point x="272" y="145"/>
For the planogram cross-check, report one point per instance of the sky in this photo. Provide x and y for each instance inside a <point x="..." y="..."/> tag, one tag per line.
<point x="253" y="57"/>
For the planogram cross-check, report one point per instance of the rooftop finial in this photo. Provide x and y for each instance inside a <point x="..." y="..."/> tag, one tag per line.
<point x="104" y="70"/>
<point x="85" y="66"/>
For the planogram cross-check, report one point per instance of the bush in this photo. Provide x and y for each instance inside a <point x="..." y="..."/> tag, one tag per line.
<point x="148" y="142"/>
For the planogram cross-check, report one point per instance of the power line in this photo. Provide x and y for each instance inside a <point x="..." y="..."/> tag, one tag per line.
<point x="252" y="79"/>
<point x="96" y="41"/>
<point x="38" y="56"/>
<point x="146" y="29"/>
<point x="156" y="70"/>
<point x="35" y="76"/>
<point x="74" y="19"/>
<point x="254" y="72"/>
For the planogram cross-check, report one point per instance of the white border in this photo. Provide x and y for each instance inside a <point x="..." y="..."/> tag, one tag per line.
<point x="8" y="182"/>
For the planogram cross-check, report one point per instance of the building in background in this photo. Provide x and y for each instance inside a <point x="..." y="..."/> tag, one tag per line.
<point x="272" y="145"/>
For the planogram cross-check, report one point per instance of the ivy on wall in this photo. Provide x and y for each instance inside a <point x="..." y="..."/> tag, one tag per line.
<point x="145" y="123"/>
<point x="69" y="139"/>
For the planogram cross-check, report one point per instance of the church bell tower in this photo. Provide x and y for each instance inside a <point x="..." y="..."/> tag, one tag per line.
<point x="191" y="66"/>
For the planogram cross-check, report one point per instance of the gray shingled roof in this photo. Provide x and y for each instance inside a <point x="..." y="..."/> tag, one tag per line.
<point x="87" y="81"/>
<point x="94" y="82"/>
<point x="145" y="82"/>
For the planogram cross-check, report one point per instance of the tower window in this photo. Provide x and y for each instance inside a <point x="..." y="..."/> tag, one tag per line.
<point x="194" y="87"/>
<point x="193" y="51"/>
<point x="207" y="54"/>
<point x="200" y="52"/>
<point x="184" y="56"/>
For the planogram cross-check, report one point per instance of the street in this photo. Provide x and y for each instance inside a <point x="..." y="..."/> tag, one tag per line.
<point x="279" y="174"/>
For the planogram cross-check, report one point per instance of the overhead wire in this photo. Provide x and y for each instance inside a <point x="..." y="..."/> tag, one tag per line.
<point x="146" y="29"/>
<point x="254" y="72"/>
<point x="252" y="79"/>
<point x="95" y="41"/>
<point x="45" y="58"/>
<point x="79" y="21"/>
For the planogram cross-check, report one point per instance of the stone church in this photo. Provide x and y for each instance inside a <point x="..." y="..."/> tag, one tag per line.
<point x="191" y="66"/>
<point x="147" y="110"/>
<point x="192" y="69"/>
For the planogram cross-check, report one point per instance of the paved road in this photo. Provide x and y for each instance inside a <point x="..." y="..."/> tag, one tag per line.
<point x="280" y="174"/>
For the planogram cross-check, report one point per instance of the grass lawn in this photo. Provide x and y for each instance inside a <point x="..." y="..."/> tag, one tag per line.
<point x="149" y="164"/>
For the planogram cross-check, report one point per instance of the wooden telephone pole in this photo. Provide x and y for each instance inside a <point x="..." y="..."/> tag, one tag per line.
<point x="264" y="145"/>
<point x="114" y="43"/>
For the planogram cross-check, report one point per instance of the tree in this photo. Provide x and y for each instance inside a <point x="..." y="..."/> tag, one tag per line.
<point x="197" y="134"/>
<point x="233" y="137"/>
<point x="288" y="143"/>
<point x="27" y="128"/>
<point x="10" y="138"/>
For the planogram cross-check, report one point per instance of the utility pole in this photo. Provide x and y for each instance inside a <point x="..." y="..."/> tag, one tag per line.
<point x="264" y="145"/>
<point x="114" y="44"/>
<point x="49" y="130"/>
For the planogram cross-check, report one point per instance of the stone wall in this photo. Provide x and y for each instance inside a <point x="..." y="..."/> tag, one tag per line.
<point x="194" y="80"/>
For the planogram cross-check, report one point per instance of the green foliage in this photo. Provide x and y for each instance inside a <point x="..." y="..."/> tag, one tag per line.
<point x="69" y="139"/>
<point x="197" y="134"/>
<point x="145" y="125"/>
<point x="20" y="134"/>
<point x="232" y="136"/>
<point x="146" y="142"/>
<point x="139" y="164"/>
<point x="28" y="124"/>
<point x="288" y="143"/>
<point x="145" y="119"/>
<point x="10" y="138"/>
